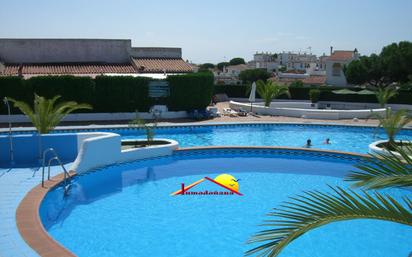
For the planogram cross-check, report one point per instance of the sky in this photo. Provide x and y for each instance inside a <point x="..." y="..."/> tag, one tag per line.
<point x="216" y="30"/>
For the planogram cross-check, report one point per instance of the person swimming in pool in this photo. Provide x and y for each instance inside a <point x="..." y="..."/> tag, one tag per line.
<point x="327" y="141"/>
<point x="308" y="143"/>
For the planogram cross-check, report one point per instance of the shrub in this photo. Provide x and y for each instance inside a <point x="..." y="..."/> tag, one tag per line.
<point x="190" y="91"/>
<point x="314" y="95"/>
<point x="296" y="83"/>
<point x="122" y="94"/>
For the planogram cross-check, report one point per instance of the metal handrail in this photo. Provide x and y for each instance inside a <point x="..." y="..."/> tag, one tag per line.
<point x="55" y="158"/>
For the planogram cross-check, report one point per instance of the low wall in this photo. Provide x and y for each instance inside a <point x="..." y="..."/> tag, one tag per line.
<point x="374" y="149"/>
<point x="105" y="149"/>
<point x="28" y="149"/>
<point x="20" y="118"/>
<point x="87" y="150"/>
<point x="333" y="104"/>
<point x="307" y="113"/>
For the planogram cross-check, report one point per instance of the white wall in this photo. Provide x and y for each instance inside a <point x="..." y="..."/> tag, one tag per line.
<point x="101" y="149"/>
<point x="335" y="80"/>
<point x="308" y="113"/>
<point x="20" y="118"/>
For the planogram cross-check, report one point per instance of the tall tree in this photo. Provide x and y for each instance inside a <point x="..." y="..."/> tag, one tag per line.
<point x="366" y="70"/>
<point x="252" y="75"/>
<point x="206" y="66"/>
<point x="236" y="61"/>
<point x="393" y="64"/>
<point x="397" y="61"/>
<point x="221" y="65"/>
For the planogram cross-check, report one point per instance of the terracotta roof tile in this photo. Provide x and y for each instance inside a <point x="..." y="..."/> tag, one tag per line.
<point x="315" y="80"/>
<point x="51" y="69"/>
<point x="159" y="65"/>
<point x="311" y="80"/>
<point x="341" y="55"/>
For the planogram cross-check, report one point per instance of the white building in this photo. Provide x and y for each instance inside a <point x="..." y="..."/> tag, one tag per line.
<point x="268" y="61"/>
<point x="335" y="64"/>
<point x="230" y="74"/>
<point x="297" y="61"/>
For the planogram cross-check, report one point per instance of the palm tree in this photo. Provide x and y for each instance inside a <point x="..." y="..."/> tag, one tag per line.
<point x="46" y="114"/>
<point x="314" y="209"/>
<point x="392" y="123"/>
<point x="384" y="94"/>
<point x="269" y="90"/>
<point x="148" y="127"/>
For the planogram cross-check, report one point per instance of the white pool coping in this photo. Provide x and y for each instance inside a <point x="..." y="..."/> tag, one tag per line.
<point x="195" y="124"/>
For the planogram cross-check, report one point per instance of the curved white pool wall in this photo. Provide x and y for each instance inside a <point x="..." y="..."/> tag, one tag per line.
<point x="102" y="149"/>
<point x="336" y="105"/>
<point x="308" y="113"/>
<point x="375" y="149"/>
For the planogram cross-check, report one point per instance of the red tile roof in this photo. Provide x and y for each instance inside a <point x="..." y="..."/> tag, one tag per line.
<point x="54" y="69"/>
<point x="311" y="80"/>
<point x="341" y="55"/>
<point x="159" y="65"/>
<point x="314" y="80"/>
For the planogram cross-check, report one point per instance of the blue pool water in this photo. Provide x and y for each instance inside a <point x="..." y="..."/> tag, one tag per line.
<point x="343" y="138"/>
<point x="127" y="210"/>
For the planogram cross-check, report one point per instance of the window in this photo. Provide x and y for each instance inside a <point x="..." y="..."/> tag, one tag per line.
<point x="336" y="69"/>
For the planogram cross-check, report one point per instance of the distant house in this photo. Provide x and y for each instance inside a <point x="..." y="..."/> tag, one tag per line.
<point x="297" y="61"/>
<point x="335" y="64"/>
<point x="235" y="70"/>
<point x="268" y="61"/>
<point x="87" y="57"/>
<point x="230" y="74"/>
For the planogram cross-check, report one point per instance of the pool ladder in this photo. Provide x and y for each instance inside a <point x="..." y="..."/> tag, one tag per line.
<point x="66" y="179"/>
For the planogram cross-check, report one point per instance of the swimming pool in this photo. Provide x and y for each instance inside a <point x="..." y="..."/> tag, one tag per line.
<point x="127" y="210"/>
<point x="343" y="138"/>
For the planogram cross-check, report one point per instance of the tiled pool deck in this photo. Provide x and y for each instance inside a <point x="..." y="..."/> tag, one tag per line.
<point x="15" y="183"/>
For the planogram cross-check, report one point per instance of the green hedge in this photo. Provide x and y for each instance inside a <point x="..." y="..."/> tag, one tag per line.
<point x="121" y="94"/>
<point x="231" y="90"/>
<point x="112" y="93"/>
<point x="190" y="91"/>
<point x="79" y="89"/>
<point x="14" y="87"/>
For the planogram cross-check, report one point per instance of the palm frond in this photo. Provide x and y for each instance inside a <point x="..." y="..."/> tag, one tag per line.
<point x="269" y="90"/>
<point x="391" y="169"/>
<point x="46" y="113"/>
<point x="384" y="94"/>
<point x="393" y="122"/>
<point x="314" y="209"/>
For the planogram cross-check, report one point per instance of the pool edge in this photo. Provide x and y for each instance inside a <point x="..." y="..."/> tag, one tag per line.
<point x="29" y="223"/>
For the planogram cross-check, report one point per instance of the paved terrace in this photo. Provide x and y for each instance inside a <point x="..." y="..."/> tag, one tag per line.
<point x="223" y="119"/>
<point x="14" y="185"/>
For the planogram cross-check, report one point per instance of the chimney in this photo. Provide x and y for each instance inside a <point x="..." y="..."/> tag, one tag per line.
<point x="331" y="50"/>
